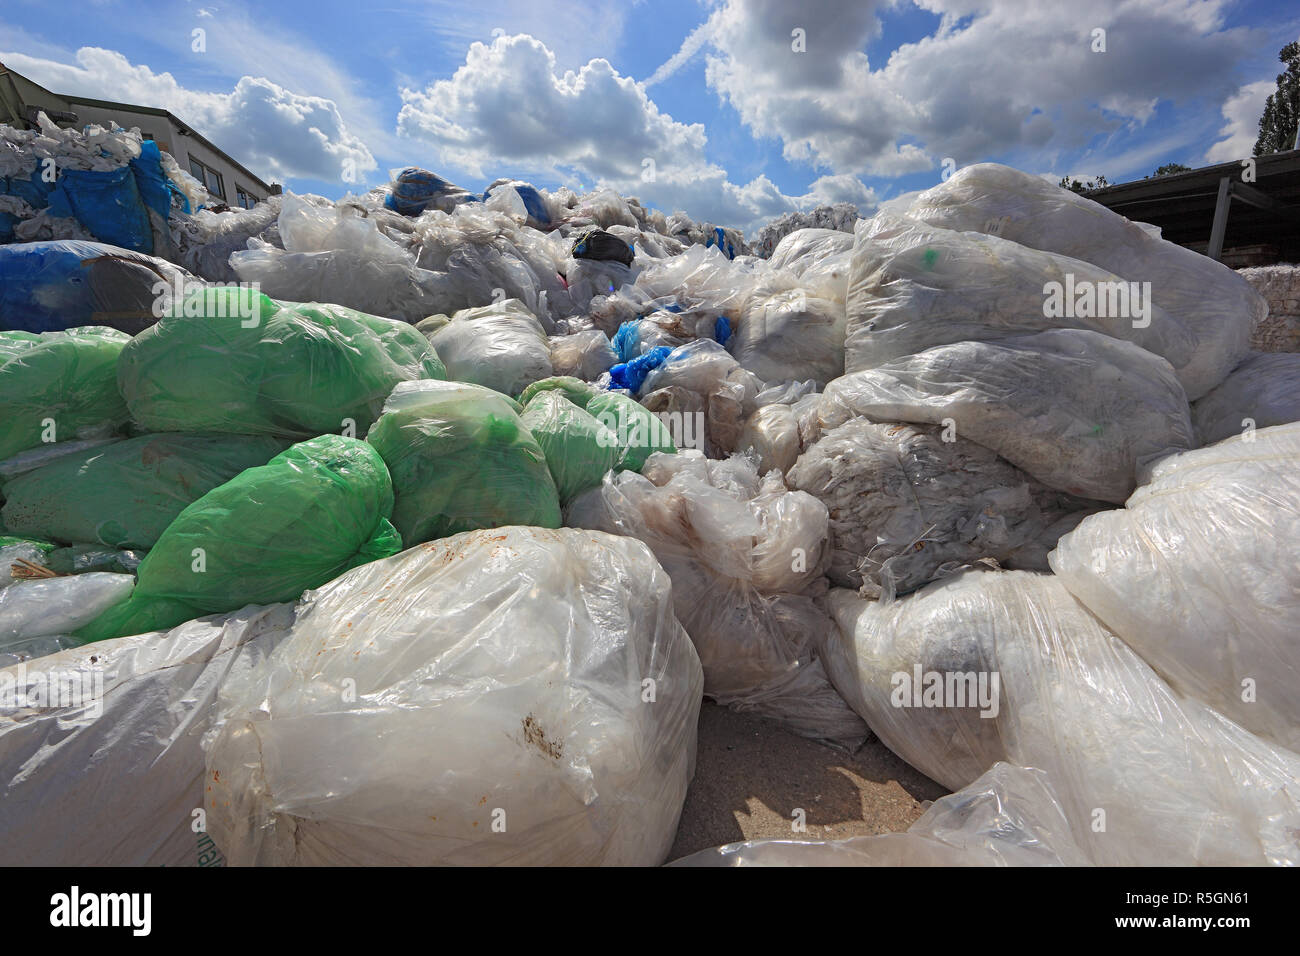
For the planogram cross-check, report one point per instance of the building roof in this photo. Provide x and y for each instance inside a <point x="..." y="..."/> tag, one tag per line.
<point x="1263" y="212"/>
<point x="185" y="129"/>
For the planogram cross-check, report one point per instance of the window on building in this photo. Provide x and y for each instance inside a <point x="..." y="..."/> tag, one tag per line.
<point x="208" y="177"/>
<point x="148" y="136"/>
<point x="244" y="199"/>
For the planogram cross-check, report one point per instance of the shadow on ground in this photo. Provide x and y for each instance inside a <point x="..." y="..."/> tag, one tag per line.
<point x="750" y="777"/>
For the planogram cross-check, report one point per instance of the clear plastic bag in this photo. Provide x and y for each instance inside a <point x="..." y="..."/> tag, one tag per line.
<point x="1145" y="776"/>
<point x="1211" y="300"/>
<point x="518" y="696"/>
<point x="1198" y="574"/>
<point x="1077" y="410"/>
<point x="501" y="346"/>
<point x="914" y="286"/>
<point x="1262" y="391"/>
<point x="114" y="775"/>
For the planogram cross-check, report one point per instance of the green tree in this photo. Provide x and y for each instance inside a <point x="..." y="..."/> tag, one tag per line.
<point x="1168" y="169"/>
<point x="1277" y="127"/>
<point x="1078" y="186"/>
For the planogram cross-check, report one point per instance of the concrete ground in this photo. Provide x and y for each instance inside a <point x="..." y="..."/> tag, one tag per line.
<point x="750" y="776"/>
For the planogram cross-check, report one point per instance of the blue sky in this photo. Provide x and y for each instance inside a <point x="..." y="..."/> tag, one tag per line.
<point x="702" y="106"/>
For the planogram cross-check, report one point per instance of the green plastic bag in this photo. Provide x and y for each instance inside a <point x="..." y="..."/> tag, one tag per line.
<point x="579" y="450"/>
<point x="250" y="365"/>
<point x="124" y="495"/>
<point x="312" y="512"/>
<point x="461" y="459"/>
<point x="574" y="389"/>
<point x="640" y="432"/>
<point x="58" y="386"/>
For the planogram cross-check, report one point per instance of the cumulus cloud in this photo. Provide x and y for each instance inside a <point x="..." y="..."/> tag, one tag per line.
<point x="510" y="105"/>
<point x="270" y="129"/>
<point x="1241" y="113"/>
<point x="996" y="76"/>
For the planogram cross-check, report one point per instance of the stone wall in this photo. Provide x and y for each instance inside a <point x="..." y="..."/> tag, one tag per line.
<point x="1280" y="285"/>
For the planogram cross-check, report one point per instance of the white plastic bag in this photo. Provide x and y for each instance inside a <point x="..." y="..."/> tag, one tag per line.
<point x="741" y="553"/>
<point x="1198" y="574"/>
<point x="33" y="612"/>
<point x="582" y="355"/>
<point x="506" y="696"/>
<point x="1145" y="776"/>
<point x="1262" y="391"/>
<point x="113" y="776"/>
<point x="501" y="346"/>
<point x="914" y="286"/>
<point x="1077" y="410"/>
<point x="904" y="504"/>
<point x="790" y="335"/>
<point x="1211" y="300"/>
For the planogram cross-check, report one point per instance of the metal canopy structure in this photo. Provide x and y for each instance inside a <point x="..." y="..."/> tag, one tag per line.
<point x="1214" y="208"/>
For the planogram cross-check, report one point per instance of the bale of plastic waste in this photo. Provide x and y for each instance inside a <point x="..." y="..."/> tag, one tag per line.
<point x="15" y="551"/>
<point x="905" y="504"/>
<point x="111" y="774"/>
<point x="582" y="355"/>
<point x="1010" y="816"/>
<point x="780" y="431"/>
<point x="1217" y="305"/>
<point x="461" y="459"/>
<point x="312" y="512"/>
<point x="741" y="552"/>
<point x="500" y="346"/>
<point x="1262" y="391"/>
<point x="520" y="696"/>
<point x="414" y="190"/>
<point x="987" y="666"/>
<point x="790" y="335"/>
<point x="58" y="386"/>
<point x="54" y="286"/>
<point x="639" y="432"/>
<point x="335" y="254"/>
<point x="914" y="286"/>
<point x="579" y="450"/>
<point x="38" y="616"/>
<point x="520" y="199"/>
<point x="124" y="495"/>
<point x="1078" y="410"/>
<point x="230" y="360"/>
<point x="1197" y="573"/>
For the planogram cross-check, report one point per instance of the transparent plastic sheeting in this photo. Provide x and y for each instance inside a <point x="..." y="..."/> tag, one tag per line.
<point x="992" y="665"/>
<point x="746" y="557"/>
<point x="1262" y="391"/>
<point x="914" y="286"/>
<point x="1218" y="306"/>
<point x="905" y="505"/>
<point x="113" y="775"/>
<point x="1198" y="574"/>
<point x="1078" y="410"/>
<point x="1008" y="817"/>
<point x="510" y="696"/>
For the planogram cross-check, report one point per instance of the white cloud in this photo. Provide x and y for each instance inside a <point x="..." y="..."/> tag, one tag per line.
<point x="997" y="76"/>
<point x="692" y="45"/>
<point x="510" y="108"/>
<point x="1241" y="113"/>
<point x="270" y="129"/>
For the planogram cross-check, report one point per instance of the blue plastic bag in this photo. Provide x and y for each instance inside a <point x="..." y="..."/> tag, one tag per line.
<point x="632" y="375"/>
<point x="108" y="204"/>
<point x="415" y="190"/>
<point x="627" y="340"/>
<point x="53" y="286"/>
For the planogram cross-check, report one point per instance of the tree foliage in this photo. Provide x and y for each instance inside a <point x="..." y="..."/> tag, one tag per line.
<point x="1277" y="127"/>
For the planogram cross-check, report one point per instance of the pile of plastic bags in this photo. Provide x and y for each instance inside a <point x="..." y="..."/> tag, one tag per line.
<point x="426" y="547"/>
